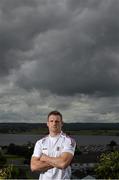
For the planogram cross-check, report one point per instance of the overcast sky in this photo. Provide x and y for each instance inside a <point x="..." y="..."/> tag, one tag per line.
<point x="59" y="54"/>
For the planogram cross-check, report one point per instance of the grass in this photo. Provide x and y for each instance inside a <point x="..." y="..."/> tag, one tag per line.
<point x="34" y="131"/>
<point x="11" y="156"/>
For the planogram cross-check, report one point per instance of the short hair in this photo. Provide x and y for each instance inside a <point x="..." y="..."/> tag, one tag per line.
<point x="56" y="113"/>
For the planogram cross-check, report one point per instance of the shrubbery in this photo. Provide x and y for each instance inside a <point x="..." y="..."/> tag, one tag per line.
<point x="108" y="166"/>
<point x="9" y="172"/>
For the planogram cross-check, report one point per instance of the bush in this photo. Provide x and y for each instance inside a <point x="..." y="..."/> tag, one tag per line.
<point x="9" y="172"/>
<point x="108" y="166"/>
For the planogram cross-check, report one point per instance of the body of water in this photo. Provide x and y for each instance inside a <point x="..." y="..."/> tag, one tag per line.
<point x="20" y="139"/>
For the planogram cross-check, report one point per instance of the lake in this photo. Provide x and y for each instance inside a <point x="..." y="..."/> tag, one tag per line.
<point x="20" y="139"/>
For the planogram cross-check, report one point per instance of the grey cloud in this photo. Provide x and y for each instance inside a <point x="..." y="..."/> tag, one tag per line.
<point x="20" y="22"/>
<point x="19" y="105"/>
<point x="79" y="58"/>
<point x="49" y="47"/>
<point x="59" y="55"/>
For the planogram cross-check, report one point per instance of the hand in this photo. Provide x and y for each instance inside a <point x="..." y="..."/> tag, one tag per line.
<point x="43" y="157"/>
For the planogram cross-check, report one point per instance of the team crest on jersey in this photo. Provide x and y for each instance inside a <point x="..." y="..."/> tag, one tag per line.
<point x="58" y="148"/>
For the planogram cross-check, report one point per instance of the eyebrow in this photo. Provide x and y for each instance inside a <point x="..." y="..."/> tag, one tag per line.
<point x="54" y="120"/>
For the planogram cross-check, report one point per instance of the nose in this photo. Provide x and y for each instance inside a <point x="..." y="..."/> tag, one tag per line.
<point x="54" y="122"/>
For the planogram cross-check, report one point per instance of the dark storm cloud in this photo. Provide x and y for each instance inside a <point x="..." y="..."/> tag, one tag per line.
<point x="66" y="47"/>
<point x="20" y="22"/>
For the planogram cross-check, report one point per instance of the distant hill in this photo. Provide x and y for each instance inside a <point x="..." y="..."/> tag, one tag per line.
<point x="41" y="127"/>
<point x="92" y="126"/>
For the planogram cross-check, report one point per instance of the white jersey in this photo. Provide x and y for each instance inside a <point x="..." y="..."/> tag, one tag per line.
<point x="53" y="147"/>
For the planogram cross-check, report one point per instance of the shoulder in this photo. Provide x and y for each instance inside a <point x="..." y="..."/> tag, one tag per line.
<point x="68" y="139"/>
<point x="42" y="140"/>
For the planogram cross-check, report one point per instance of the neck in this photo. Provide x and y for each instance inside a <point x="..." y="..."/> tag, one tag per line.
<point x="53" y="134"/>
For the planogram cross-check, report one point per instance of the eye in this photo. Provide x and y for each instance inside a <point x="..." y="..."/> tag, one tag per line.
<point x="57" y="121"/>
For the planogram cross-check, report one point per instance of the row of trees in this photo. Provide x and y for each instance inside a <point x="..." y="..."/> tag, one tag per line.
<point x="25" y="150"/>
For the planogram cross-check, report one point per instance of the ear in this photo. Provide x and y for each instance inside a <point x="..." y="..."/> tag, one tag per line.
<point x="62" y="123"/>
<point x="47" y="124"/>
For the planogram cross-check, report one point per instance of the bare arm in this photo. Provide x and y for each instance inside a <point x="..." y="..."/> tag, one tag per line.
<point x="61" y="162"/>
<point x="38" y="165"/>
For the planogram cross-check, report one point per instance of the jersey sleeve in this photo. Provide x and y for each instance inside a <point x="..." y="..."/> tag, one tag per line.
<point x="69" y="145"/>
<point x="37" y="149"/>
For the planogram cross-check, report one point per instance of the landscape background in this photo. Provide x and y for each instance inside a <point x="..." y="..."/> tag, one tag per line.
<point x="71" y="128"/>
<point x="59" y="55"/>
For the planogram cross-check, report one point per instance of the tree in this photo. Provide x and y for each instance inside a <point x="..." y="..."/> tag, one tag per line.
<point x="9" y="172"/>
<point x="112" y="145"/>
<point x="77" y="151"/>
<point x="108" y="166"/>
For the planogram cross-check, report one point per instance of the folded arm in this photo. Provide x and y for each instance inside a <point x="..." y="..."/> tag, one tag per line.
<point x="38" y="165"/>
<point x="61" y="161"/>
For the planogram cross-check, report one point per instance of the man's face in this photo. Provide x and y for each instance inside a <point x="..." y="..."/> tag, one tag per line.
<point x="54" y="123"/>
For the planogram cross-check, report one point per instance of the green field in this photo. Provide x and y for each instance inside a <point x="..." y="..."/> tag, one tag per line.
<point x="11" y="156"/>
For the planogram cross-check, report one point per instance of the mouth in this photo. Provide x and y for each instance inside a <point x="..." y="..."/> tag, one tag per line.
<point x="54" y="126"/>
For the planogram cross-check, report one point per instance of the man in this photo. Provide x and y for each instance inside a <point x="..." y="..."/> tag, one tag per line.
<point x="53" y="154"/>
